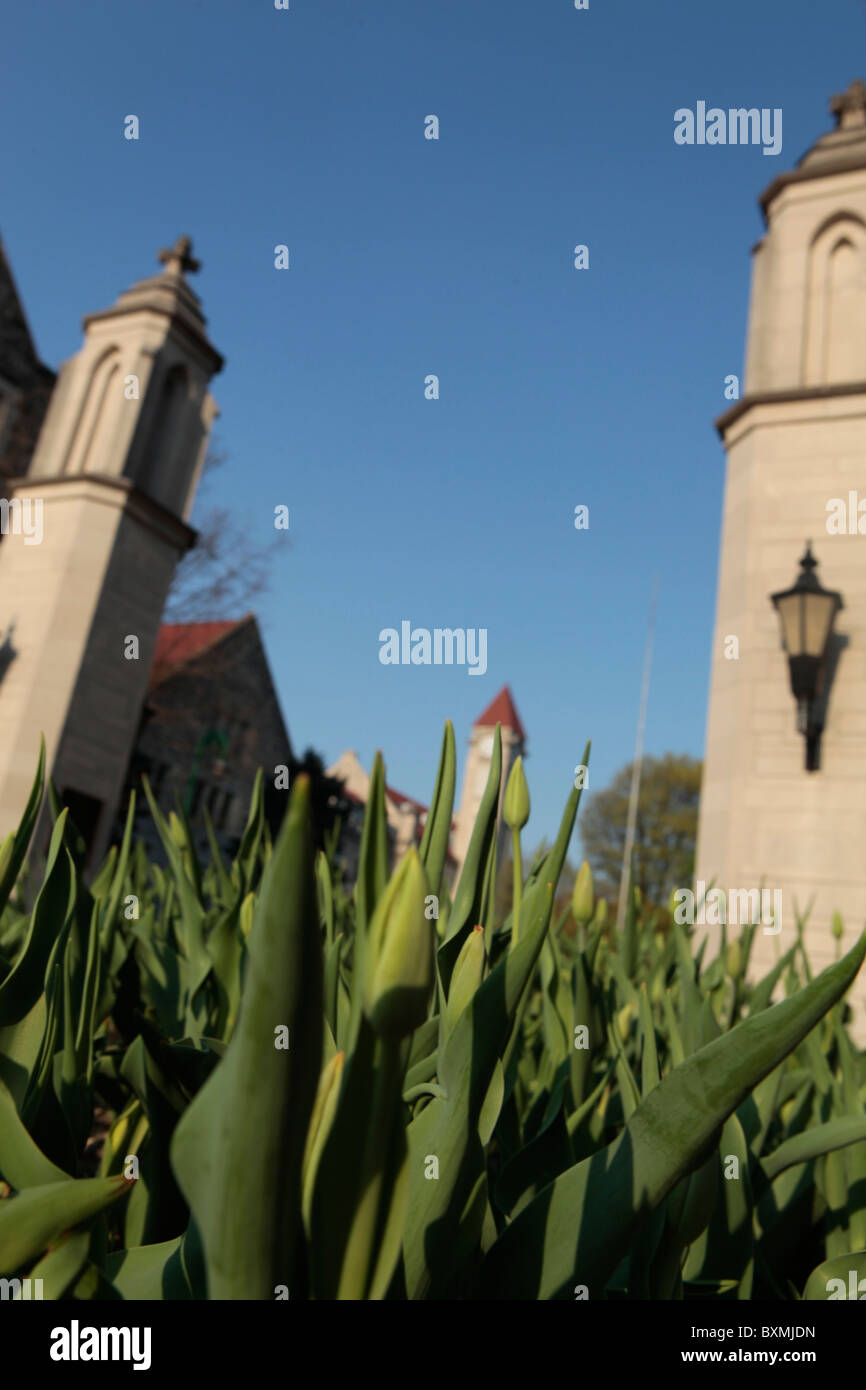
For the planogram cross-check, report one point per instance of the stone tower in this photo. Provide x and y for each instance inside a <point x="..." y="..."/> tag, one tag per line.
<point x="501" y="710"/>
<point x="94" y="531"/>
<point x="795" y="441"/>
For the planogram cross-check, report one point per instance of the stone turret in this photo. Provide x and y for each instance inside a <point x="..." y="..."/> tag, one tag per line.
<point x="94" y="532"/>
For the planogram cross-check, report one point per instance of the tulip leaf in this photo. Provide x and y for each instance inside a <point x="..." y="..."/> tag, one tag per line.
<point x="238" y="1148"/>
<point x="579" y="1227"/>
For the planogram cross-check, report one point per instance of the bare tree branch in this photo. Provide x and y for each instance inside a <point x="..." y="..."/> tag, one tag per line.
<point x="225" y="572"/>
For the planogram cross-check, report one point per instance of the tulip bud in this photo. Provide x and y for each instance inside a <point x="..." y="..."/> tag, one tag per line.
<point x="600" y="919"/>
<point x="838" y="928"/>
<point x="734" y="960"/>
<point x="466" y="976"/>
<point x="176" y="830"/>
<point x="247" y="912"/>
<point x="582" y="897"/>
<point x="515" y="805"/>
<point x="624" y="1018"/>
<point x="399" y="954"/>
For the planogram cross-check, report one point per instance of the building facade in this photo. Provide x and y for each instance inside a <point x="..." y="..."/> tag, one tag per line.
<point x="796" y="446"/>
<point x="406" y="817"/>
<point x="92" y="532"/>
<point x="25" y="383"/>
<point x="211" y="719"/>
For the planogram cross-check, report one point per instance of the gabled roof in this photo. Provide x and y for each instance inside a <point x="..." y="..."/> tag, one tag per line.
<point x="399" y="799"/>
<point x="501" y="710"/>
<point x="178" y="643"/>
<point x="17" y="349"/>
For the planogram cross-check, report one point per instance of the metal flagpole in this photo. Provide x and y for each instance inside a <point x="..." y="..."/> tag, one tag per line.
<point x="637" y="765"/>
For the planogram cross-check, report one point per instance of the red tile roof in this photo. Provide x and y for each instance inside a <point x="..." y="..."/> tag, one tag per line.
<point x="398" y="798"/>
<point x="501" y="710"/>
<point x="178" y="643"/>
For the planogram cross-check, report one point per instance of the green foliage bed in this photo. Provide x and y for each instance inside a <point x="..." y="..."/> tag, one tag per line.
<point x="393" y="1095"/>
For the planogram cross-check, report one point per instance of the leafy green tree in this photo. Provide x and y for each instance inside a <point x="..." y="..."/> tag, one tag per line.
<point x="667" y="820"/>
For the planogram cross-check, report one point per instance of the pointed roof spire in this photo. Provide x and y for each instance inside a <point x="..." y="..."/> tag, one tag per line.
<point x="16" y="333"/>
<point x="501" y="710"/>
<point x="168" y="293"/>
<point x="836" y="152"/>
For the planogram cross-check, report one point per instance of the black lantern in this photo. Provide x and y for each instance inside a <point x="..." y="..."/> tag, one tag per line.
<point x="806" y="613"/>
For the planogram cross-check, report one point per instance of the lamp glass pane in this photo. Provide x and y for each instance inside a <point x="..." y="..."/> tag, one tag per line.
<point x="818" y="615"/>
<point x="792" y="626"/>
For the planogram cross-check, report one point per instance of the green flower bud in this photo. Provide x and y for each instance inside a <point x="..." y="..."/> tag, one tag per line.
<point x="624" y="1019"/>
<point x="838" y="928"/>
<point x="582" y="897"/>
<point x="466" y="977"/>
<point x="515" y="805"/>
<point x="734" y="960"/>
<point x="176" y="830"/>
<point x="399" y="954"/>
<point x="600" y="918"/>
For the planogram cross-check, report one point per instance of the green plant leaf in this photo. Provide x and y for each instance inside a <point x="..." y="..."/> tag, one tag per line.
<point x="580" y="1226"/>
<point x="437" y="828"/>
<point x="13" y="850"/>
<point x="238" y="1149"/>
<point x="37" y="1218"/>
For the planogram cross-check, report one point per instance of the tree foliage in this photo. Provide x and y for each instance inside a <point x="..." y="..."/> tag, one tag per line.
<point x="665" y="833"/>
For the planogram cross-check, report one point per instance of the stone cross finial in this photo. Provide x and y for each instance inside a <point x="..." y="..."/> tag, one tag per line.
<point x="850" y="108"/>
<point x="178" y="259"/>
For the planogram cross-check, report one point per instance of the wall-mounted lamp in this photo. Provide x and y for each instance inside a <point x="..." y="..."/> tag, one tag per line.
<point x="806" y="614"/>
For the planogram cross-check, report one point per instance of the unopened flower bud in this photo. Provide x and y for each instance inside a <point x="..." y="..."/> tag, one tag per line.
<point x="583" y="897"/>
<point x="734" y="960"/>
<point x="515" y="805"/>
<point x="399" y="954"/>
<point x="466" y="977"/>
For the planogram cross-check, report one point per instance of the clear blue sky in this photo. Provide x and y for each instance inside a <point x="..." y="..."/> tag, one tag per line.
<point x="410" y="257"/>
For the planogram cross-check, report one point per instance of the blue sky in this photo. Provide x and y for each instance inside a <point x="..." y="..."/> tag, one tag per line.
<point x="408" y="257"/>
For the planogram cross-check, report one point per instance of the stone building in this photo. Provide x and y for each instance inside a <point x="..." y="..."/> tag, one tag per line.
<point x="94" y="522"/>
<point x="501" y="710"/>
<point x="25" y="384"/>
<point x="406" y="817"/>
<point x="211" y="719"/>
<point x="795" y="445"/>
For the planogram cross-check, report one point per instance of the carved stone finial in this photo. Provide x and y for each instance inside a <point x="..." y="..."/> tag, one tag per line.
<point x="849" y="108"/>
<point x="178" y="259"/>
